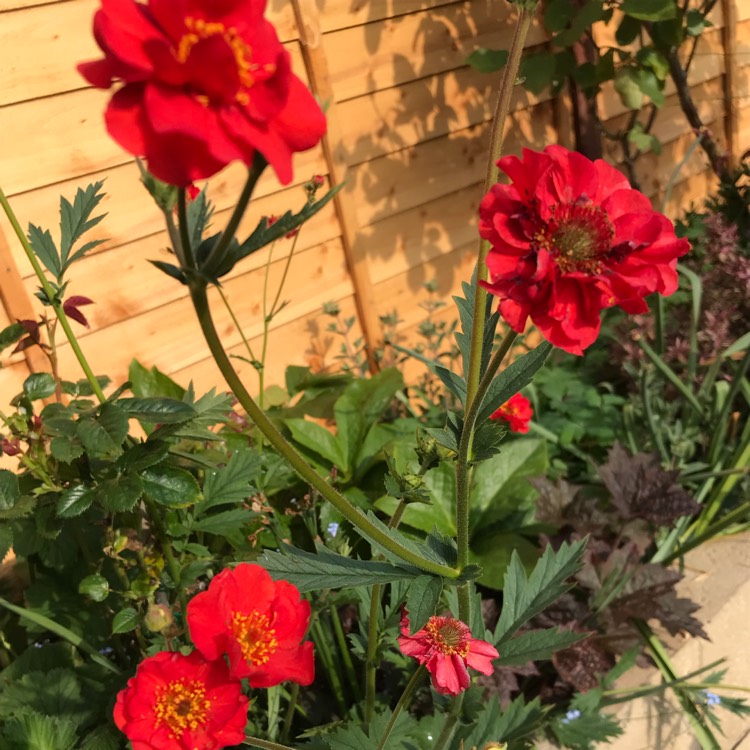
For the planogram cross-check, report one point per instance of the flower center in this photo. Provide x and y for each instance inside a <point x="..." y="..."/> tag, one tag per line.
<point x="255" y="635"/>
<point x="448" y="635"/>
<point x="182" y="705"/>
<point x="579" y="237"/>
<point x="247" y="71"/>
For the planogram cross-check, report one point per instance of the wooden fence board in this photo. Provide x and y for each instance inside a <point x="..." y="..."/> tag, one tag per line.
<point x="417" y="45"/>
<point x="340" y="14"/>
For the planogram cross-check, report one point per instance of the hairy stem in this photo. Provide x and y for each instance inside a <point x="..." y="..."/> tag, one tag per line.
<point x="403" y="701"/>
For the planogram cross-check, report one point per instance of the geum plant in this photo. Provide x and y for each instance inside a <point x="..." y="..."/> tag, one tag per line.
<point x="184" y="620"/>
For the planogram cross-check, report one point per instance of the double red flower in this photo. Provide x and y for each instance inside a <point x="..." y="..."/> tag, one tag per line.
<point x="178" y="702"/>
<point x="517" y="412"/>
<point x="569" y="238"/>
<point x="446" y="647"/>
<point x="257" y="622"/>
<point x="206" y="82"/>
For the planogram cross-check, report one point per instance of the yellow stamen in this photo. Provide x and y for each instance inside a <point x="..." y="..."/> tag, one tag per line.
<point x="255" y="635"/>
<point x="182" y="705"/>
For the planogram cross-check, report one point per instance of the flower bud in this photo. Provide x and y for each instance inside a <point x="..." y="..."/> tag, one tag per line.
<point x="158" y="618"/>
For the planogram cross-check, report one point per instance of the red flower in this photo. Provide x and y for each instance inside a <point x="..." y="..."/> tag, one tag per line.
<point x="445" y="645"/>
<point x="178" y="702"/>
<point x="517" y="412"/>
<point x="569" y="238"/>
<point x="206" y="82"/>
<point x="259" y="623"/>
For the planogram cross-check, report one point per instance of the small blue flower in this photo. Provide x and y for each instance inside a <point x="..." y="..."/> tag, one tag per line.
<point x="106" y="651"/>
<point x="711" y="698"/>
<point x="572" y="715"/>
<point x="332" y="528"/>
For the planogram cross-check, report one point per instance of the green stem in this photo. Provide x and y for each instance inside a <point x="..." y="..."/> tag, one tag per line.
<point x="165" y="543"/>
<point x="703" y="734"/>
<point x="265" y="744"/>
<point x="256" y="170"/>
<point x="502" y="109"/>
<point x="50" y="294"/>
<point x="326" y="657"/>
<point x="236" y="322"/>
<point x="463" y="471"/>
<point x="295" y="460"/>
<point x="293" y="695"/>
<point x="403" y="701"/>
<point x="346" y="656"/>
<point x="449" y="728"/>
<point x="371" y="664"/>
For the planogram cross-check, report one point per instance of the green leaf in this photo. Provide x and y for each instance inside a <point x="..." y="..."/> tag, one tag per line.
<point x="11" y="335"/>
<point x="536" y="645"/>
<point x="65" y="450"/>
<point x="513" y="379"/>
<point x="143" y="455"/>
<point x="513" y="722"/>
<point x="232" y="484"/>
<point x="422" y="600"/>
<point x="696" y="23"/>
<point x="147" y="383"/>
<point x="10" y="492"/>
<point x="34" y="731"/>
<point x="524" y="598"/>
<point x="651" y="58"/>
<point x="6" y="540"/>
<point x="75" y="501"/>
<point x="39" y="385"/>
<point x="121" y="494"/>
<point x="95" y="587"/>
<point x="627" y="87"/>
<point x="650" y="10"/>
<point x="627" y="31"/>
<point x="318" y="439"/>
<point x="586" y="731"/>
<point x="326" y="570"/>
<point x="170" y="486"/>
<point x="225" y="523"/>
<point x="104" y="434"/>
<point x="157" y="409"/>
<point x="45" y="249"/>
<point x="75" y="221"/>
<point x="488" y="60"/>
<point x="125" y="620"/>
<point x="537" y="71"/>
<point x="465" y="305"/>
<point x="493" y="550"/>
<point x="558" y="14"/>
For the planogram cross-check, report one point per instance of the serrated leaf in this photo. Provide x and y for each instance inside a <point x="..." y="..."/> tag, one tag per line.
<point x="318" y="439"/>
<point x="422" y="600"/>
<point x="143" y="455"/>
<point x="45" y="249"/>
<point x="310" y="572"/>
<point x="10" y="492"/>
<point x="149" y="383"/>
<point x="104" y="434"/>
<point x="30" y="730"/>
<point x="516" y="376"/>
<point x="227" y="522"/>
<point x="523" y="597"/>
<point x="170" y="486"/>
<point x="125" y="620"/>
<point x="65" y="450"/>
<point x="39" y="385"/>
<point x="512" y="722"/>
<point x="75" y="501"/>
<point x="76" y="220"/>
<point x="536" y="645"/>
<point x="95" y="587"/>
<point x="231" y="484"/>
<point x="120" y="495"/>
<point x="157" y="409"/>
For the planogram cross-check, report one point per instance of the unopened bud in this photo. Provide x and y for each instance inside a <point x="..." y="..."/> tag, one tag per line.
<point x="158" y="618"/>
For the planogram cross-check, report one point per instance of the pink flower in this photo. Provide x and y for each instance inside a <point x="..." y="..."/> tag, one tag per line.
<point x="517" y="412"/>
<point x="446" y="647"/>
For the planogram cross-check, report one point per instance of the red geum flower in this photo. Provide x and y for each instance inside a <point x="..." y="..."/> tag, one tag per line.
<point x="257" y="622"/>
<point x="206" y="82"/>
<point x="445" y="645"/>
<point x="570" y="237"/>
<point x="517" y="412"/>
<point x="178" y="702"/>
<point x="71" y="305"/>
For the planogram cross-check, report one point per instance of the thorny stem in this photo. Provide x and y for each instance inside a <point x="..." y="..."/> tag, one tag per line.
<point x="50" y="294"/>
<point x="295" y="460"/>
<point x="403" y="701"/>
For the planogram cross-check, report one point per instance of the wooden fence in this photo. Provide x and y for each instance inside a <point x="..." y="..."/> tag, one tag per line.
<point x="408" y="129"/>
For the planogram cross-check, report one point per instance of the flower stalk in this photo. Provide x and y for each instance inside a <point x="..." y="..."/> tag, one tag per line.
<point x="403" y="701"/>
